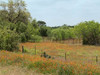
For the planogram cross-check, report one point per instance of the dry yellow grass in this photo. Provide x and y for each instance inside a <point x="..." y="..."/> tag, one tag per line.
<point x="15" y="70"/>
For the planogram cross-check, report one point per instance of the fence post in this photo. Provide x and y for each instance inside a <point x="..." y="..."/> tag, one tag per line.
<point x="65" y="56"/>
<point x="22" y="49"/>
<point x="96" y="58"/>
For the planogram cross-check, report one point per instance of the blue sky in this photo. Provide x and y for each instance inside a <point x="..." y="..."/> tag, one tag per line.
<point x="59" y="12"/>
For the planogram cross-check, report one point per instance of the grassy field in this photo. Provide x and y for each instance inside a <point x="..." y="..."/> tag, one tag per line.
<point x="80" y="60"/>
<point x="76" y="53"/>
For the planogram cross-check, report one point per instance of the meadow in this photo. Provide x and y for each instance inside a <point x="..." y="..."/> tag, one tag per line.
<point x="80" y="59"/>
<point x="76" y="53"/>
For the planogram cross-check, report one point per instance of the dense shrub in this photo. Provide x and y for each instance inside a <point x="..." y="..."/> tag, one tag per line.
<point x="23" y="37"/>
<point x="62" y="34"/>
<point x="44" y="31"/>
<point x="89" y="31"/>
<point x="56" y="35"/>
<point x="21" y="27"/>
<point x="8" y="40"/>
<point x="31" y="31"/>
<point x="35" y="38"/>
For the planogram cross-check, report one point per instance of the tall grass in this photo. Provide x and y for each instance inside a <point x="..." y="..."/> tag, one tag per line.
<point x="45" y="66"/>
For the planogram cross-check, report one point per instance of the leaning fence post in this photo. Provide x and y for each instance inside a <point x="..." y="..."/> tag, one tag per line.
<point x="96" y="58"/>
<point x="65" y="56"/>
<point x="22" y="49"/>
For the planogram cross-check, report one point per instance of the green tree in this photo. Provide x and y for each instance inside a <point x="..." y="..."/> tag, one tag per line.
<point x="43" y="31"/>
<point x="41" y="23"/>
<point x="89" y="31"/>
<point x="56" y="35"/>
<point x="34" y="23"/>
<point x="9" y="40"/>
<point x="62" y="33"/>
<point x="15" y="11"/>
<point x="21" y="27"/>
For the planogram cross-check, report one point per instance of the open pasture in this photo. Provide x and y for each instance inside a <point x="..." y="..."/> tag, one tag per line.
<point x="77" y="53"/>
<point x="80" y="60"/>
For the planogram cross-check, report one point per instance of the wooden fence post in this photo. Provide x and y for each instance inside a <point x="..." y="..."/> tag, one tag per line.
<point x="96" y="58"/>
<point x="22" y="49"/>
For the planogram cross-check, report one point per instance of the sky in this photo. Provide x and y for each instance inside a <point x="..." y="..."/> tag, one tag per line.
<point x="59" y="12"/>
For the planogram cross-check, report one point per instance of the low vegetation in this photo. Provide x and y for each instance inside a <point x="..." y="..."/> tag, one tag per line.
<point x="9" y="40"/>
<point x="47" y="65"/>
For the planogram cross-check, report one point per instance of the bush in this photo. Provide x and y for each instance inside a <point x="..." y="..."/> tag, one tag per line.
<point x="8" y="40"/>
<point x="23" y="37"/>
<point x="62" y="34"/>
<point x="89" y="31"/>
<point x="35" y="38"/>
<point x="56" y="35"/>
<point x="21" y="27"/>
<point x="43" y="31"/>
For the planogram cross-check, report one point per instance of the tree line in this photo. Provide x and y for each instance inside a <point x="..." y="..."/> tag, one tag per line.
<point x="17" y="25"/>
